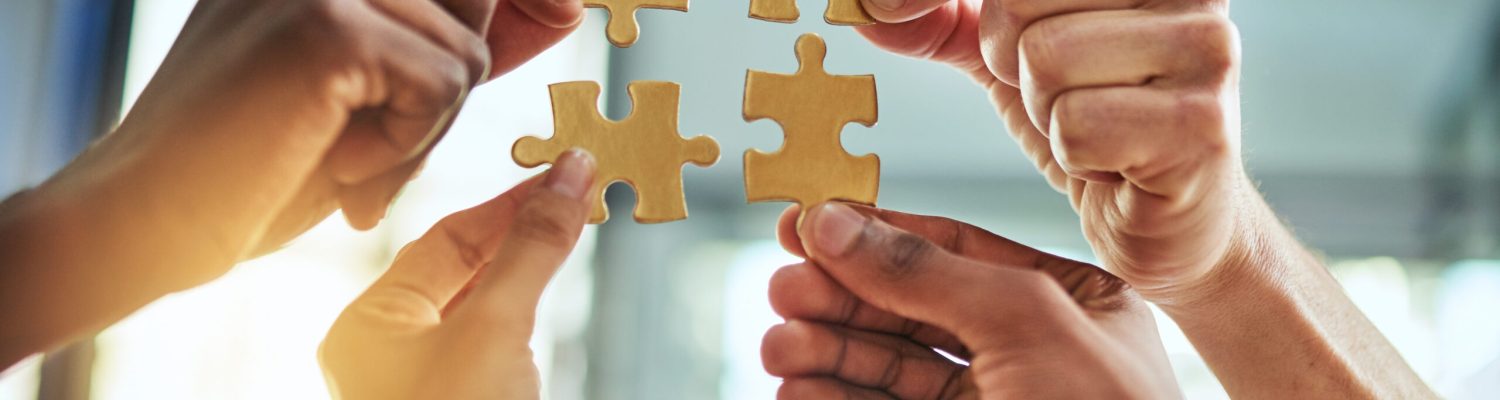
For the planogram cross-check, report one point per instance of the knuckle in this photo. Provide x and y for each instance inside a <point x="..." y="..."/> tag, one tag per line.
<point x="1034" y="282"/>
<point x="1017" y="14"/>
<point x="546" y="221"/>
<point x="1216" y="40"/>
<point x="1206" y="120"/>
<point x="477" y="56"/>
<point x="904" y="253"/>
<point x="1041" y="47"/>
<point x="1074" y="119"/>
<point x="1072" y="113"/>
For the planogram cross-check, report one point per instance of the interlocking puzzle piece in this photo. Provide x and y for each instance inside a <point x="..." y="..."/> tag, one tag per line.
<point x="623" y="29"/>
<point x="644" y="150"/>
<point x="812" y="107"/>
<point x="840" y="12"/>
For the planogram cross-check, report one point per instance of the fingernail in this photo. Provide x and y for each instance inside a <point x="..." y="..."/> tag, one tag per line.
<point x="571" y="174"/>
<point x="889" y="5"/>
<point x="835" y="229"/>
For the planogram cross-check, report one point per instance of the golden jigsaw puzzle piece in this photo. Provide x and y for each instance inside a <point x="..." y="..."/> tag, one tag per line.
<point x="644" y="150"/>
<point x="812" y="108"/>
<point x="623" y="30"/>
<point x="840" y="12"/>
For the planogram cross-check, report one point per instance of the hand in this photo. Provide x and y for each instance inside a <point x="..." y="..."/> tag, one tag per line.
<point x="1129" y="107"/>
<point x="265" y="117"/>
<point x="268" y="115"/>
<point x="453" y="316"/>
<point x="882" y="289"/>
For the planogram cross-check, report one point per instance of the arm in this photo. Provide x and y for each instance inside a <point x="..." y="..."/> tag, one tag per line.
<point x="1272" y="303"/>
<point x="264" y="118"/>
<point x="1131" y="109"/>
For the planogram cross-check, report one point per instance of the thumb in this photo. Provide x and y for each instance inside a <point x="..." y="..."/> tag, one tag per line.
<point x="542" y="233"/>
<point x="908" y="275"/>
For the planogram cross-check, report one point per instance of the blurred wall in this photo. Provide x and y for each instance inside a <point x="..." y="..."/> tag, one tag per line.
<point x="1344" y="104"/>
<point x="22" y="42"/>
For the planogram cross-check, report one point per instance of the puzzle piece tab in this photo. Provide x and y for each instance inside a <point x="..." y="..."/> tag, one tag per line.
<point x="812" y="107"/>
<point x="623" y="29"/>
<point x="840" y="12"/>
<point x="644" y="150"/>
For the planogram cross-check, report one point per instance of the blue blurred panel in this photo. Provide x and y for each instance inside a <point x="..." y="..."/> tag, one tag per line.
<point x="57" y="82"/>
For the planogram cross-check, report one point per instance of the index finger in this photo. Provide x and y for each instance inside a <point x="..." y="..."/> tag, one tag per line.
<point x="1002" y="22"/>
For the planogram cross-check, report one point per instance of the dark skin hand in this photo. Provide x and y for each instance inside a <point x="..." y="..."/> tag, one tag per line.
<point x="1131" y="108"/>
<point x="265" y="117"/>
<point x="881" y="290"/>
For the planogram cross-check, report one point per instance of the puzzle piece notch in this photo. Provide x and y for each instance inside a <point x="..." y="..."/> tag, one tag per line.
<point x="812" y="108"/>
<point x="623" y="29"/>
<point x="644" y="150"/>
<point x="839" y="12"/>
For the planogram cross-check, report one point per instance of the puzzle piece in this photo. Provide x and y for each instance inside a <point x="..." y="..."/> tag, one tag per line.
<point x="643" y="150"/>
<point x="840" y="12"/>
<point x="623" y="29"/>
<point x="812" y="107"/>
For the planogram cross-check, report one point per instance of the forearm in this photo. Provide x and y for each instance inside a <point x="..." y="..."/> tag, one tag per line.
<point x="1273" y="323"/>
<point x="81" y="251"/>
<point x="51" y="292"/>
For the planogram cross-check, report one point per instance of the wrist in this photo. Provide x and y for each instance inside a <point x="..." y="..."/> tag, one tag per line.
<point x="1261" y="255"/>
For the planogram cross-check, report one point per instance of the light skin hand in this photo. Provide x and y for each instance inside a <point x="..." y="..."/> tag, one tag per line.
<point x="453" y="316"/>
<point x="1131" y="108"/>
<point x="881" y="290"/>
<point x="265" y="117"/>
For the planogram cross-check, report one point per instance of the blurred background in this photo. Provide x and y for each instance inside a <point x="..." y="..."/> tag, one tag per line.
<point x="1373" y="127"/>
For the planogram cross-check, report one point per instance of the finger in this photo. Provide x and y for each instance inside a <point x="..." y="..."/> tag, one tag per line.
<point x="426" y="86"/>
<point x="473" y="14"/>
<point x="897" y="11"/>
<point x="890" y="364"/>
<point x="1004" y="20"/>
<point x="946" y="34"/>
<point x="1030" y="139"/>
<point x="515" y="36"/>
<point x="552" y="13"/>
<point x="957" y="237"/>
<point x="805" y="292"/>
<point x="1162" y="141"/>
<point x="908" y="275"/>
<point x="438" y="265"/>
<point x="825" y="388"/>
<point x="786" y="231"/>
<point x="1091" y="287"/>
<point x="1122" y="48"/>
<point x="454" y="25"/>
<point x="366" y="203"/>
<point x="539" y="239"/>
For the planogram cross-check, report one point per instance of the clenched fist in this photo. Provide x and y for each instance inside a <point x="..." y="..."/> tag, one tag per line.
<point x="1130" y="107"/>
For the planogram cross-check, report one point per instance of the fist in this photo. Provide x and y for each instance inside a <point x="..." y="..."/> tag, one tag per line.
<point x="1131" y="108"/>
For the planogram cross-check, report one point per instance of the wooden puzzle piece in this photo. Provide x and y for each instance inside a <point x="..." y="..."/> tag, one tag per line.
<point x="812" y="108"/>
<point x="623" y="29"/>
<point x="840" y="12"/>
<point x="644" y="150"/>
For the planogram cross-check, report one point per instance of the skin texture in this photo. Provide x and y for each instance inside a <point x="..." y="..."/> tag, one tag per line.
<point x="881" y="290"/>
<point x="1131" y="109"/>
<point x="452" y="317"/>
<point x="265" y="117"/>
